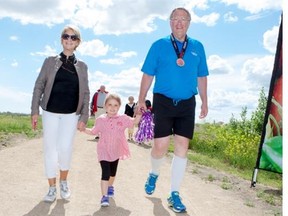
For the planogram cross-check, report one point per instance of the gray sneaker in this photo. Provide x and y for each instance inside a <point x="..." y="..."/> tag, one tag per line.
<point x="64" y="190"/>
<point x="51" y="195"/>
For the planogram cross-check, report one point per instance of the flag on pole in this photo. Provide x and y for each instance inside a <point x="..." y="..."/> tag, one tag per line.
<point x="270" y="148"/>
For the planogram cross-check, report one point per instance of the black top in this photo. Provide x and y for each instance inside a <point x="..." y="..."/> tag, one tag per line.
<point x="65" y="91"/>
<point x="129" y="110"/>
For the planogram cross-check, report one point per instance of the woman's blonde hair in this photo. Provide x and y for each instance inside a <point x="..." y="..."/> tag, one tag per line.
<point x="75" y="30"/>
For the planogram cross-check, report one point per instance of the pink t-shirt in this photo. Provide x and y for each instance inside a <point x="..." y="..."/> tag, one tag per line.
<point x="112" y="144"/>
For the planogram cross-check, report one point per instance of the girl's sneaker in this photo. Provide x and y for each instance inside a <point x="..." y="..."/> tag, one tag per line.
<point x="105" y="201"/>
<point x="51" y="195"/>
<point x="110" y="192"/>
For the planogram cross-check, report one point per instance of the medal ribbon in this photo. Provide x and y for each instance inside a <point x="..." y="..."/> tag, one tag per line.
<point x="179" y="54"/>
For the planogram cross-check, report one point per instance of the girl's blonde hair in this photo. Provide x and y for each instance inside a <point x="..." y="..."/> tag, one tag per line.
<point x="112" y="96"/>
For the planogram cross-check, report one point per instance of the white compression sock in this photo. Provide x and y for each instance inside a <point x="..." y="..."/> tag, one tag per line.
<point x="177" y="172"/>
<point x="155" y="165"/>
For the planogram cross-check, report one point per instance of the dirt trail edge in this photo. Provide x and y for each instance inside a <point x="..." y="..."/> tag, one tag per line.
<point x="23" y="186"/>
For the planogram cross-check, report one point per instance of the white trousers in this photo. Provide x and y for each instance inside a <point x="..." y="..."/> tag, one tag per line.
<point x="58" y="137"/>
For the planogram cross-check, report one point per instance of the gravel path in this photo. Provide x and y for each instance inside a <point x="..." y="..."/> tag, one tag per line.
<point x="23" y="185"/>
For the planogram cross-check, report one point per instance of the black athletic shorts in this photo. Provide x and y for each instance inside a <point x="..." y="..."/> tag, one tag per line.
<point x="173" y="117"/>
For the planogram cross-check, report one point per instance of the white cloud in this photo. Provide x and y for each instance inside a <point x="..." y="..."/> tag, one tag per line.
<point x="33" y="11"/>
<point x="120" y="58"/>
<point x="255" y="6"/>
<point x="234" y="82"/>
<point x="104" y="17"/>
<point x="93" y="48"/>
<point x="230" y="17"/>
<point x="121" y="16"/>
<point x="124" y="83"/>
<point x="255" y="16"/>
<point x="238" y="87"/>
<point x="13" y="38"/>
<point x="112" y="61"/>
<point x="197" y="4"/>
<point x="209" y="20"/>
<point x="218" y="65"/>
<point x="258" y="71"/>
<point x="116" y="82"/>
<point x="223" y="103"/>
<point x="48" y="51"/>
<point x="15" y="100"/>
<point x="14" y="63"/>
<point x="127" y="54"/>
<point x="270" y="38"/>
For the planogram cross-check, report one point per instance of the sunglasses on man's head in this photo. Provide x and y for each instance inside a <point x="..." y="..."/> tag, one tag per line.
<point x="67" y="36"/>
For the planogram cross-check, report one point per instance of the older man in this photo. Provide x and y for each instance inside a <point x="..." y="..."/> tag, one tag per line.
<point x="179" y="66"/>
<point x="97" y="103"/>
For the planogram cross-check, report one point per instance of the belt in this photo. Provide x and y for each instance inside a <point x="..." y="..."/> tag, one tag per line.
<point x="100" y="107"/>
<point x="175" y="101"/>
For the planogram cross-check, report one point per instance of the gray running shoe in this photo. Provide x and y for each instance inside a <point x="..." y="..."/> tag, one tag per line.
<point x="51" y="195"/>
<point x="64" y="190"/>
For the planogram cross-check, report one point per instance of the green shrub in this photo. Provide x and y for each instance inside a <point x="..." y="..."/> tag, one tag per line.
<point x="18" y="124"/>
<point x="227" y="144"/>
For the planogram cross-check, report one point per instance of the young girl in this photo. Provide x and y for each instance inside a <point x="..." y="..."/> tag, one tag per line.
<point x="129" y="110"/>
<point x="112" y="144"/>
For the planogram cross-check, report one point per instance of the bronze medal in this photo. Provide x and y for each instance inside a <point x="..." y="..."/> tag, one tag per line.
<point x="180" y="62"/>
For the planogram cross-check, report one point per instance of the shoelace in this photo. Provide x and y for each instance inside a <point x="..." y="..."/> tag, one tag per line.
<point x="110" y="189"/>
<point x="64" y="186"/>
<point x="152" y="180"/>
<point x="104" y="199"/>
<point x="176" y="200"/>
<point x="51" y="192"/>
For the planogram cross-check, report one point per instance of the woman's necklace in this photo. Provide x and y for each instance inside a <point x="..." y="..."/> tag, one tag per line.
<point x="68" y="63"/>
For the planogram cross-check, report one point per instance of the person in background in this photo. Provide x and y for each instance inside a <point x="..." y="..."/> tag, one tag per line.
<point x="179" y="66"/>
<point x="148" y="105"/>
<point x="148" y="108"/>
<point x="97" y="103"/>
<point x="112" y="145"/>
<point x="129" y="110"/>
<point x="62" y="91"/>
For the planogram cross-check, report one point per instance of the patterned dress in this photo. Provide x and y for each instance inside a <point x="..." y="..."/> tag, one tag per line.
<point x="112" y="144"/>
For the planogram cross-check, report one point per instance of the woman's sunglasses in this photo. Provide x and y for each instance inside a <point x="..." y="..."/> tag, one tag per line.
<point x="67" y="36"/>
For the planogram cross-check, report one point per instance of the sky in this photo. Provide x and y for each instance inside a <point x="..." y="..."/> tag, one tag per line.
<point x="239" y="37"/>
